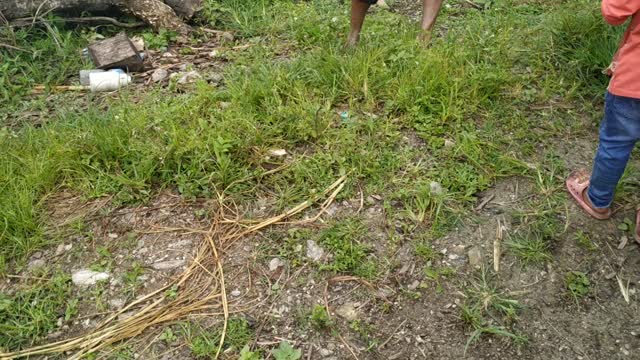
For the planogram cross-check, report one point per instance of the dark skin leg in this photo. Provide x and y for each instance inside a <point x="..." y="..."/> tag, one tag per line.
<point x="358" y="12"/>
<point x="359" y="9"/>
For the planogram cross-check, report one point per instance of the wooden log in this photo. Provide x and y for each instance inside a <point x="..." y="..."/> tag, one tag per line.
<point x="116" y="52"/>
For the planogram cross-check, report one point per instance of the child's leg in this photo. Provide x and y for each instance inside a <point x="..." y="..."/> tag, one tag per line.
<point x="430" y="10"/>
<point x="619" y="131"/>
<point x="358" y="12"/>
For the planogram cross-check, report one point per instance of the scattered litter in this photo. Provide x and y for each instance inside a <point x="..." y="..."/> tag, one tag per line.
<point x="108" y="80"/>
<point x="84" y="76"/>
<point x="344" y="116"/>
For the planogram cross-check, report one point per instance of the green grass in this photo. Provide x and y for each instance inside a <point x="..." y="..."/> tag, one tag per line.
<point x="204" y="343"/>
<point x="32" y="313"/>
<point x="467" y="87"/>
<point x="488" y="311"/>
<point x="578" y="284"/>
<point x="345" y="241"/>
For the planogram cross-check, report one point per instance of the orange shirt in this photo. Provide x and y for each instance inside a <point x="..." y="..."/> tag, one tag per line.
<point x="626" y="62"/>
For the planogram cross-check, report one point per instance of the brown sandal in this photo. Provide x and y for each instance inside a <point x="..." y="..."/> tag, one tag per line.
<point x="577" y="184"/>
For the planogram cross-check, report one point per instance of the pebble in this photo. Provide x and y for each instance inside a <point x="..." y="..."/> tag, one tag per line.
<point x="414" y="285"/>
<point x="214" y="54"/>
<point x="325" y="352"/>
<point x="113" y="236"/>
<point x="36" y="264"/>
<point x="348" y="311"/>
<point x="278" y="152"/>
<point x="236" y="293"/>
<point x="475" y="257"/>
<point x="190" y="77"/>
<point x="159" y="75"/>
<point x="167" y="265"/>
<point x="275" y="264"/>
<point x="87" y="277"/>
<point x="448" y="144"/>
<point x="215" y="77"/>
<point x="436" y="188"/>
<point x="116" y="303"/>
<point x="227" y="36"/>
<point x="314" y="252"/>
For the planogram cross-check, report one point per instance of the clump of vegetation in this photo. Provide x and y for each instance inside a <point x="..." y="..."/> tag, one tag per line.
<point x="345" y="241"/>
<point x="319" y="318"/>
<point x="578" y="284"/>
<point x="489" y="312"/>
<point x="30" y="314"/>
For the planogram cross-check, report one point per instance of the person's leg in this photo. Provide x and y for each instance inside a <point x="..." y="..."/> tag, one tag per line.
<point x="430" y="10"/>
<point x="619" y="131"/>
<point x="359" y="10"/>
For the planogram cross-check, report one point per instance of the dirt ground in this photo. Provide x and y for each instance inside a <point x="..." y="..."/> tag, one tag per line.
<point x="402" y="314"/>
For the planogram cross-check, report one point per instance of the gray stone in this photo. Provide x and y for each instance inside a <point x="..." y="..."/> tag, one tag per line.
<point x="348" y="311"/>
<point x="87" y="277"/>
<point x="167" y="265"/>
<point x="36" y="264"/>
<point x="189" y="78"/>
<point x="275" y="264"/>
<point x="436" y="188"/>
<point x="159" y="75"/>
<point x="236" y="293"/>
<point x="314" y="252"/>
<point x="116" y="303"/>
<point x="475" y="257"/>
<point x="227" y="36"/>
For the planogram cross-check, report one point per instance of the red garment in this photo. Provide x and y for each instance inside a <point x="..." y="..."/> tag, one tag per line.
<point x="626" y="62"/>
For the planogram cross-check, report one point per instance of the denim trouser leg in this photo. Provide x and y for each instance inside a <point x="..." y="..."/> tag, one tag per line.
<point x="619" y="131"/>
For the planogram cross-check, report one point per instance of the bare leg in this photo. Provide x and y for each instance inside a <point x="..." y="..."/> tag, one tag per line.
<point x="430" y="10"/>
<point x="359" y="10"/>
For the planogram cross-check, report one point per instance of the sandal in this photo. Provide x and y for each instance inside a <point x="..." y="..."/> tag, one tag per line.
<point x="577" y="184"/>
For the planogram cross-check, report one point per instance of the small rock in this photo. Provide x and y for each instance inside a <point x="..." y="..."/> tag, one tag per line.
<point x="448" y="144"/>
<point x="436" y="188"/>
<point x="167" y="265"/>
<point x="236" y="293"/>
<point x="623" y="242"/>
<point x="414" y="285"/>
<point x="60" y="249"/>
<point x="475" y="257"/>
<point x="116" y="304"/>
<point x="159" y="75"/>
<point x="190" y="77"/>
<point x="168" y="55"/>
<point x="278" y="152"/>
<point x="274" y="264"/>
<point x="214" y="54"/>
<point x="224" y="105"/>
<point x="215" y="77"/>
<point x="113" y="236"/>
<point x="37" y="255"/>
<point x="453" y="257"/>
<point x="348" y="312"/>
<point x="60" y="322"/>
<point x="227" y="36"/>
<point x="88" y="277"/>
<point x="325" y="352"/>
<point x="314" y="252"/>
<point x="36" y="264"/>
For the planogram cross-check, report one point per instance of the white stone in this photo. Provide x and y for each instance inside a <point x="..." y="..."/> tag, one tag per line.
<point x="314" y="252"/>
<point x="88" y="277"/>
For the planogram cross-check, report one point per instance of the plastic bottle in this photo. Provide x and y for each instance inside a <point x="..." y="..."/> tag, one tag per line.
<point x="84" y="76"/>
<point x="109" y="80"/>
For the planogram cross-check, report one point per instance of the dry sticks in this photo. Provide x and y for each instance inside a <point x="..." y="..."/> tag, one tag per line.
<point x="200" y="288"/>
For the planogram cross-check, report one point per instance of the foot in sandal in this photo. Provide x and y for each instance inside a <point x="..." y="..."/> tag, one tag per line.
<point x="577" y="185"/>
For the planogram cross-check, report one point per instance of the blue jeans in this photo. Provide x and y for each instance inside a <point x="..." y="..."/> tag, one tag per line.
<point x="619" y="132"/>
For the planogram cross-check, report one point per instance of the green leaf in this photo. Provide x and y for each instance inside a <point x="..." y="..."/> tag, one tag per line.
<point x="286" y="352"/>
<point x="247" y="354"/>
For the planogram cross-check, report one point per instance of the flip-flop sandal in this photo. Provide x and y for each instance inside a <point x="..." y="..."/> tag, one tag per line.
<point x="577" y="184"/>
